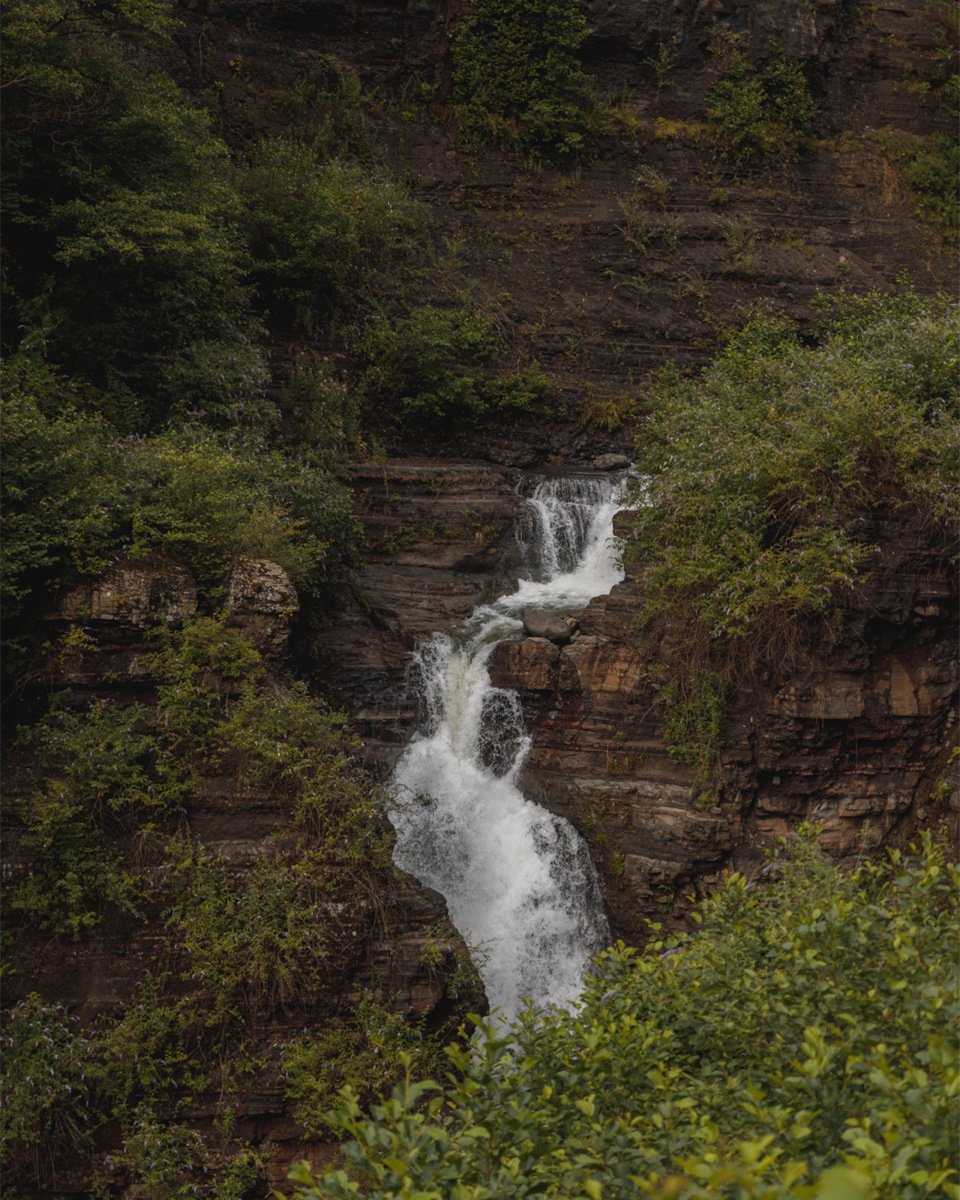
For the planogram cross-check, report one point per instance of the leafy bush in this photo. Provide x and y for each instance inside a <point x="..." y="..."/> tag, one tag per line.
<point x="759" y="470"/>
<point x="48" y="1085"/>
<point x="315" y="229"/>
<point x="58" y="481"/>
<point x="327" y="105"/>
<point x="127" y="251"/>
<point x="425" y="376"/>
<point x="368" y="1056"/>
<point x="74" y="496"/>
<point x="518" y="82"/>
<point x="759" y="116"/>
<point x="930" y="164"/>
<point x="106" y="830"/>
<point x="802" y="1044"/>
<point x="62" y="1083"/>
<point x="98" y="787"/>
<point x="204" y="501"/>
<point x="329" y="410"/>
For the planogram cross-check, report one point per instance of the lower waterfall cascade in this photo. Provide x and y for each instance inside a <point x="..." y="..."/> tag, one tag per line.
<point x="518" y="880"/>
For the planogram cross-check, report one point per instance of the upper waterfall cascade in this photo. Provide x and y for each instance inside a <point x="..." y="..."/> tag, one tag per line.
<point x="518" y="881"/>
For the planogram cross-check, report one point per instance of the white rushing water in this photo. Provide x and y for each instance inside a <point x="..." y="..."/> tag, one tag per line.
<point x="518" y="881"/>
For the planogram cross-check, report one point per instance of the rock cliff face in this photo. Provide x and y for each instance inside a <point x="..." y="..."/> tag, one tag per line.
<point x="554" y="255"/>
<point x="857" y="737"/>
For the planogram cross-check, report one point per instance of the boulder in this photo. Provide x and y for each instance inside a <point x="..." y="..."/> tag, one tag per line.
<point x="552" y="626"/>
<point x="612" y="462"/>
<point x="262" y="602"/>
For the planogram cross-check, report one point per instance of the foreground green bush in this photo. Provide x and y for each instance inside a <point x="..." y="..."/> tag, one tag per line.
<point x="803" y="1043"/>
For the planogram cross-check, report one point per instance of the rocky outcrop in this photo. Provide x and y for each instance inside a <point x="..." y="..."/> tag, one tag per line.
<point x="109" y="627"/>
<point x="856" y="740"/>
<point x="261" y="602"/>
<point x="853" y="739"/>
<point x="135" y="594"/>
<point x="441" y="541"/>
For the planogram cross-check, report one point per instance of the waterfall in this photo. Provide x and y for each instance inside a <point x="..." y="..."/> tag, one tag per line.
<point x="518" y="881"/>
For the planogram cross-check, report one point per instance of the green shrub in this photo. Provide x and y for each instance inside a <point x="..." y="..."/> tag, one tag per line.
<point x="759" y="470"/>
<point x="802" y="1044"/>
<point x="364" y="1056"/>
<point x="424" y="373"/>
<point x="126" y="248"/>
<point x="106" y="835"/>
<point x="329" y="411"/>
<point x="327" y="104"/>
<point x="759" y="116"/>
<point x="695" y="715"/>
<point x="219" y="385"/>
<point x="930" y="164"/>
<point x="62" y="1084"/>
<point x="48" y="1088"/>
<point x="518" y="82"/>
<point x="314" y="230"/>
<point x="58" y="479"/>
<point x="524" y="393"/>
<point x="423" y="368"/>
<point x="74" y="496"/>
<point x="130" y="250"/>
<point x="204" y="501"/>
<point x="98" y="789"/>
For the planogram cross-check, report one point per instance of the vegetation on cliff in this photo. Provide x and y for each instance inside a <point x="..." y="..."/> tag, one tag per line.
<point x="109" y="841"/>
<point x="168" y="302"/>
<point x="758" y="116"/>
<point x="518" y="80"/>
<point x="802" y="1043"/>
<point x="759" y="472"/>
<point x="761" y="476"/>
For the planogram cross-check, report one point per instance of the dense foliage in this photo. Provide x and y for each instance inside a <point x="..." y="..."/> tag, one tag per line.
<point x="120" y="226"/>
<point x="140" y="264"/>
<point x="761" y="114"/>
<point x="518" y="82"/>
<point x="931" y="165"/>
<point x="425" y="373"/>
<point x="315" y="229"/>
<point x="760" y="472"/>
<point x="108" y="840"/>
<point x="803" y="1043"/>
<point x="76" y="494"/>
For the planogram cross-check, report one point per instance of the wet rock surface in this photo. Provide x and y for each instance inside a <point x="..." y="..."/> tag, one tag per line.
<point x="852" y="739"/>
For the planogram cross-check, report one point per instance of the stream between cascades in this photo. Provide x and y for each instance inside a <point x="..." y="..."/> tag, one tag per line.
<point x="518" y="881"/>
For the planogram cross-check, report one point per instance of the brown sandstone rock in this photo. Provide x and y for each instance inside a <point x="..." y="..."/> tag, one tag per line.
<point x="140" y="594"/>
<point x="261" y="602"/>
